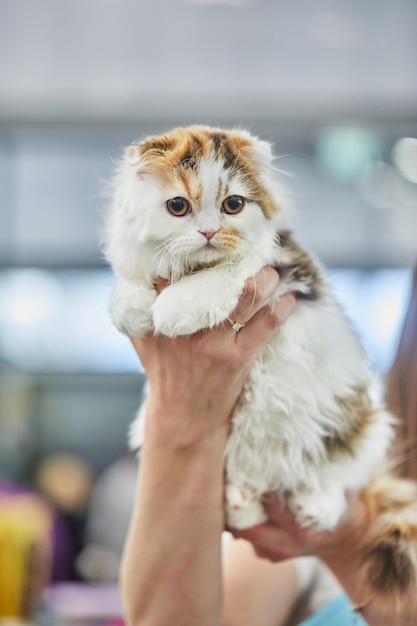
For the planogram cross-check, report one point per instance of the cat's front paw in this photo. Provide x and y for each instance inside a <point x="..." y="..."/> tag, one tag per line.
<point x="318" y="510"/>
<point x="178" y="310"/>
<point x="130" y="308"/>
<point x="243" y="509"/>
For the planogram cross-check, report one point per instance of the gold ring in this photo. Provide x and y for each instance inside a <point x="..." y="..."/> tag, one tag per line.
<point x="235" y="325"/>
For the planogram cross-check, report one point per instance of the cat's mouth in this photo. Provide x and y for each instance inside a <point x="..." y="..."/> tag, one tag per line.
<point x="209" y="244"/>
<point x="209" y="255"/>
<point x="211" y="252"/>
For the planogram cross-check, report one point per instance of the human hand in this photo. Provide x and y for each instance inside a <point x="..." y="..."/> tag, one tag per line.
<point x="282" y="538"/>
<point x="343" y="550"/>
<point x="199" y="377"/>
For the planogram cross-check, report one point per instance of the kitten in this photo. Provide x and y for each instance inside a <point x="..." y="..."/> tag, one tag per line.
<point x="201" y="207"/>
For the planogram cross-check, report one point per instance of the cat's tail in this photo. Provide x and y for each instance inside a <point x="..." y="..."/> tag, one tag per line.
<point x="390" y="553"/>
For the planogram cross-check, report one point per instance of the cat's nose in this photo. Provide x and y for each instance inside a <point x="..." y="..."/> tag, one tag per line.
<point x="208" y="234"/>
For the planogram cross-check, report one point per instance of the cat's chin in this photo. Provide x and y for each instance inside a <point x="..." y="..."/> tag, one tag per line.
<point x="212" y="255"/>
<point x="206" y="257"/>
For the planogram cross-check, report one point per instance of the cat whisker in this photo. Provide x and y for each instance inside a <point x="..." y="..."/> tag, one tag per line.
<point x="162" y="254"/>
<point x="169" y="253"/>
<point x="164" y="245"/>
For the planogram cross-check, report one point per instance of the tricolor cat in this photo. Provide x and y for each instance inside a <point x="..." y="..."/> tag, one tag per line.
<point x="201" y="207"/>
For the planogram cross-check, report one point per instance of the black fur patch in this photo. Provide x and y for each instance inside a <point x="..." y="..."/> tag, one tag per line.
<point x="301" y="268"/>
<point x="390" y="569"/>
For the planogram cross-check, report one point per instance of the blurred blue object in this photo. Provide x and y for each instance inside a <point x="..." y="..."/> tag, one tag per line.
<point x="346" y="152"/>
<point x="376" y="302"/>
<point x="59" y="321"/>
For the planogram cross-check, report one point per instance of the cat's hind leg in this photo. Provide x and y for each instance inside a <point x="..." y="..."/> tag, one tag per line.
<point x="319" y="509"/>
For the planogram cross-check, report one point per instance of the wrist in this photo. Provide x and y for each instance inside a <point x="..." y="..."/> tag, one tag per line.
<point x="177" y="442"/>
<point x="180" y="484"/>
<point x="183" y="426"/>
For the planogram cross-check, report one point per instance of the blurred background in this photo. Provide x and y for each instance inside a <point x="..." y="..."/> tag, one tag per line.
<point x="332" y="83"/>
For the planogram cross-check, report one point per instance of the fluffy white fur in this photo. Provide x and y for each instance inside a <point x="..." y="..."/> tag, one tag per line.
<point x="290" y="405"/>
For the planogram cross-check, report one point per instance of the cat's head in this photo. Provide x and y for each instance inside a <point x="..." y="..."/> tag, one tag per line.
<point x="195" y="196"/>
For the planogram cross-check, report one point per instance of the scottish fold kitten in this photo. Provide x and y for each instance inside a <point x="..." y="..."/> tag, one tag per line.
<point x="201" y="207"/>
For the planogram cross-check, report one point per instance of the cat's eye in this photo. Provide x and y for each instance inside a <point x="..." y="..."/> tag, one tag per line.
<point x="233" y="204"/>
<point x="178" y="206"/>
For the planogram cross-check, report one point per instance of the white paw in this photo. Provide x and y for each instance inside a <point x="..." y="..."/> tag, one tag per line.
<point x="243" y="509"/>
<point x="179" y="311"/>
<point x="318" y="510"/>
<point x="131" y="308"/>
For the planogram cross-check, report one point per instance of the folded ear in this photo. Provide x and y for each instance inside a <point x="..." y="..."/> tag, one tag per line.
<point x="133" y="158"/>
<point x="132" y="155"/>
<point x="140" y="155"/>
<point x="261" y="152"/>
<point x="258" y="150"/>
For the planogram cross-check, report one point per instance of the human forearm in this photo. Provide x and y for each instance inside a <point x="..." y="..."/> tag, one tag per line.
<point x="171" y="570"/>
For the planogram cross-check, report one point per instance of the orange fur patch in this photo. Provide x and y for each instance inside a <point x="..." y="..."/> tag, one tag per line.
<point x="193" y="189"/>
<point x="176" y="155"/>
<point x="227" y="238"/>
<point x="390" y="551"/>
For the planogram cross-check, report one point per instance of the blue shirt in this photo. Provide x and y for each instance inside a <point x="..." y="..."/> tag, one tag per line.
<point x="338" y="612"/>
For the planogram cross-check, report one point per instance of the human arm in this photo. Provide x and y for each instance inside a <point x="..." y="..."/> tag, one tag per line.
<point x="171" y="571"/>
<point x="255" y="590"/>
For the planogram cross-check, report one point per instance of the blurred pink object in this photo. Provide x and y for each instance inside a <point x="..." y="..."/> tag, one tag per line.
<point x="84" y="602"/>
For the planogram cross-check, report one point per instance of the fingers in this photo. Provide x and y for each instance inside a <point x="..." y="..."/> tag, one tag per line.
<point x="272" y="316"/>
<point x="257" y="292"/>
<point x="252" y="307"/>
<point x="270" y="541"/>
<point x="280" y="515"/>
<point x="266" y="322"/>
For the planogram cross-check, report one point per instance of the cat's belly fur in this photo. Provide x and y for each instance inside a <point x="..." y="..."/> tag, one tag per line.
<point x="289" y="407"/>
<point x="292" y="404"/>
